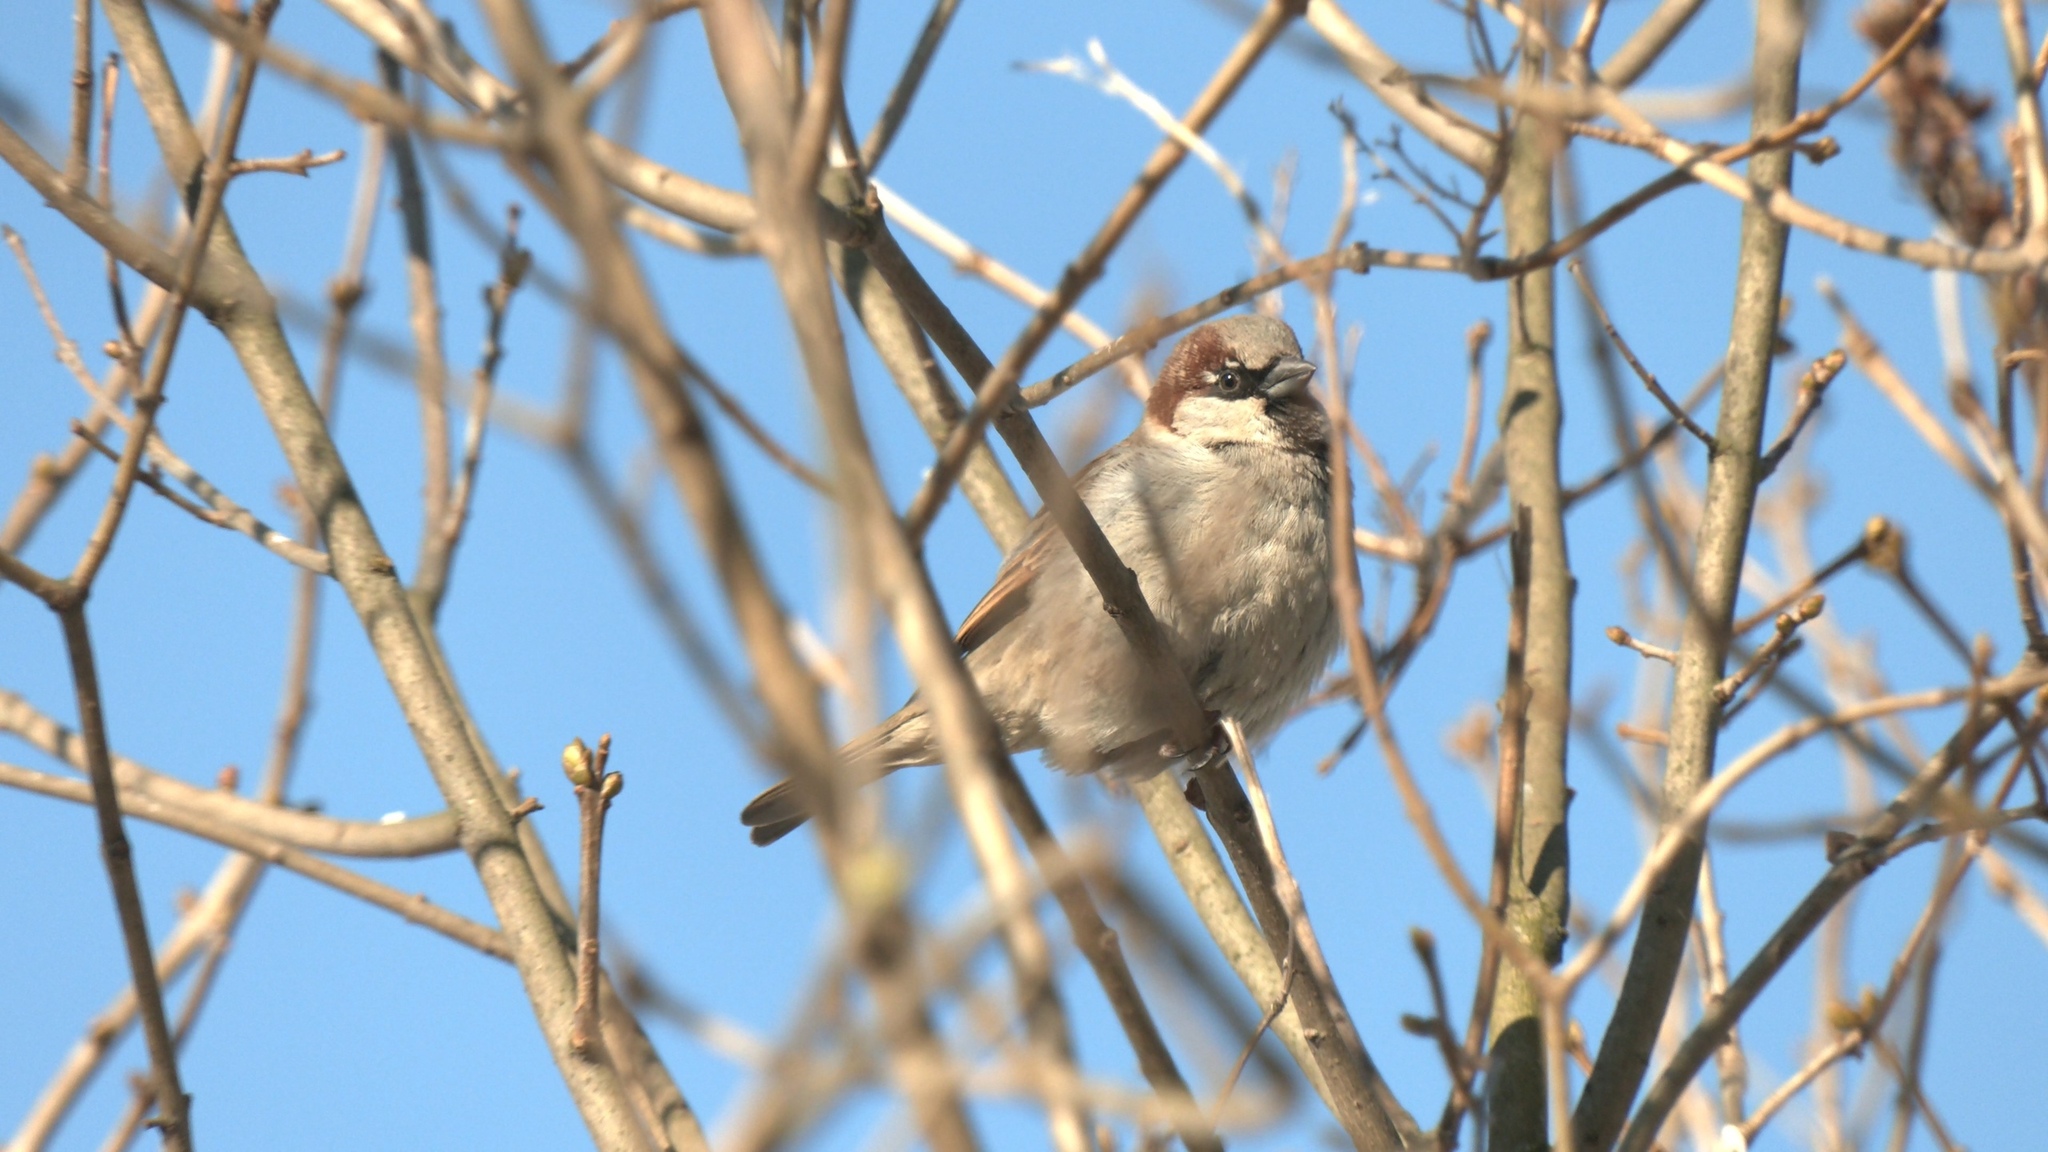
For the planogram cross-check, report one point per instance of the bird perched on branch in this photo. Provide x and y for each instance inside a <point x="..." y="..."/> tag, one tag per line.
<point x="1219" y="502"/>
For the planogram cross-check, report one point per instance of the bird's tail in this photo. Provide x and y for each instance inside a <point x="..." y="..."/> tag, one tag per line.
<point x="901" y="741"/>
<point x="774" y="813"/>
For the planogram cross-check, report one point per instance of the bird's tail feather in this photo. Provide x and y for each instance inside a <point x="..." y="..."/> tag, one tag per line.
<point x="774" y="813"/>
<point x="901" y="741"/>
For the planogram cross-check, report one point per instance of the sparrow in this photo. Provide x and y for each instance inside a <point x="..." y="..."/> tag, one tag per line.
<point x="1219" y="502"/>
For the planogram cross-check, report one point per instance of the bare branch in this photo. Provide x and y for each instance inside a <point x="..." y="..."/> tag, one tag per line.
<point x="1620" y="636"/>
<point x="1805" y="402"/>
<point x="301" y="164"/>
<point x="411" y="906"/>
<point x="1458" y="137"/>
<point x="595" y="788"/>
<point x="897" y="106"/>
<point x="1723" y="541"/>
<point x="415" y="836"/>
<point x="1649" y="380"/>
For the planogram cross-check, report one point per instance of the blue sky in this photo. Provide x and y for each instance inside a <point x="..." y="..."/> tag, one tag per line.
<point x="335" y="1024"/>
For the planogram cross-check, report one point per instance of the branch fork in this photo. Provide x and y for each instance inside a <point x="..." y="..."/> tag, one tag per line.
<point x="1780" y="645"/>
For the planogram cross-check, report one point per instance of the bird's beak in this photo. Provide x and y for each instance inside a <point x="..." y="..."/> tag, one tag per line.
<point x="1288" y="377"/>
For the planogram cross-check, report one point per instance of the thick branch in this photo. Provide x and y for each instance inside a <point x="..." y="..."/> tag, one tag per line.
<point x="235" y="299"/>
<point x="657" y="368"/>
<point x="1732" y="476"/>
<point x="1532" y="414"/>
<point x="968" y="737"/>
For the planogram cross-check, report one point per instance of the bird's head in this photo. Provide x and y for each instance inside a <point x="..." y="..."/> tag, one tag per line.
<point x="1240" y="381"/>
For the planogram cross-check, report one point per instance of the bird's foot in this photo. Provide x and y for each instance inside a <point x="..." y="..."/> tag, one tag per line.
<point x="1218" y="747"/>
<point x="1215" y="747"/>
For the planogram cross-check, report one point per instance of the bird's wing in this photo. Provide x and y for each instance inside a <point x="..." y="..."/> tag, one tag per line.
<point x="1011" y="593"/>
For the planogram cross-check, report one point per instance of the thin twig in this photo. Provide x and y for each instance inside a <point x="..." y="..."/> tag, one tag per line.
<point x="1878" y="534"/>
<point x="1513" y="734"/>
<point x="969" y="259"/>
<point x="1870" y="359"/>
<point x="897" y="106"/>
<point x="1093" y="936"/>
<point x="430" y="583"/>
<point x="301" y="164"/>
<point x="1356" y="258"/>
<point x="1787" y="625"/>
<point x="986" y="408"/>
<point x="1858" y="858"/>
<point x="224" y="512"/>
<point x="1476" y="339"/>
<point x="284" y="748"/>
<point x="1857" y="1025"/>
<point x="1619" y="635"/>
<point x="1912" y="1095"/>
<point x="822" y="98"/>
<point x="1805" y="402"/>
<point x="201" y="922"/>
<point x="110" y="86"/>
<point x="1099" y="73"/>
<point x="1507" y="807"/>
<point x="430" y="354"/>
<point x="755" y="432"/>
<point x="595" y="789"/>
<point x="1392" y="84"/>
<point x="1449" y="1050"/>
<point x="907" y="355"/>
<point x="1730" y="1062"/>
<point x="413" y="837"/>
<point x="238" y="836"/>
<point x="130" y="1124"/>
<point x="1251" y="1044"/>
<point x="2022" y="560"/>
<point x="221" y="511"/>
<point x="1302" y="946"/>
<point x="614" y="52"/>
<point x="1649" y="380"/>
<point x="1419" y="814"/>
<point x="173" y="1105"/>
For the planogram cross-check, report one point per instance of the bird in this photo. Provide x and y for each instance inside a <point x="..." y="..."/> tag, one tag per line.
<point x="1219" y="501"/>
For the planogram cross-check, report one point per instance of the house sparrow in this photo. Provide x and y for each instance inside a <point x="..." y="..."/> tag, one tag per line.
<point x="1219" y="501"/>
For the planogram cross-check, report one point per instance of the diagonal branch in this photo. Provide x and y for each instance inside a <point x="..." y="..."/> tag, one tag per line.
<point x="972" y="744"/>
<point x="1860" y="857"/>
<point x="657" y="368"/>
<point x="1457" y="136"/>
<point x="235" y="299"/>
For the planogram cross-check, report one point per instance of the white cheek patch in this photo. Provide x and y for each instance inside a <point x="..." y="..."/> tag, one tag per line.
<point x="1211" y="420"/>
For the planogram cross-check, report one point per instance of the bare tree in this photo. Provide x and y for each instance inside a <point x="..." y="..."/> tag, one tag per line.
<point x="1721" y="588"/>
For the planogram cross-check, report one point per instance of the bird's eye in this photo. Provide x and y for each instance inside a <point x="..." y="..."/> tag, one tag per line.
<point x="1230" y="380"/>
